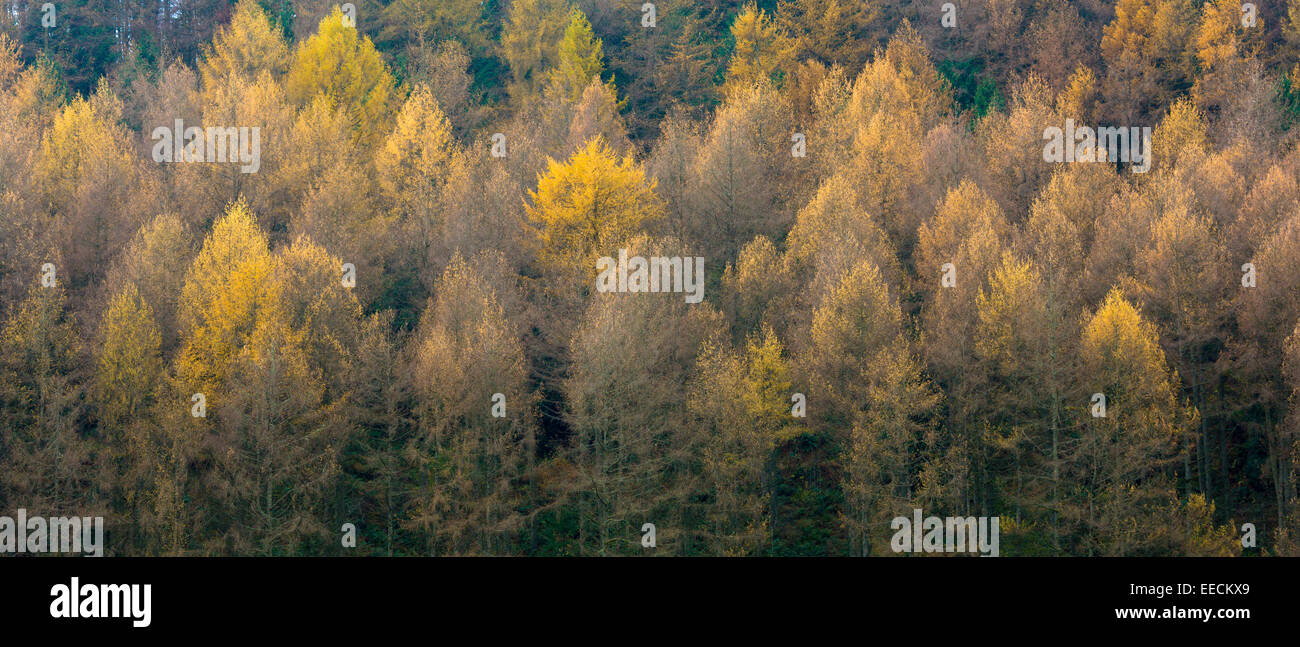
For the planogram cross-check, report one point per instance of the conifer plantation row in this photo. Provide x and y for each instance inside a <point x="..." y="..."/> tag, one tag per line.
<point x="393" y="322"/>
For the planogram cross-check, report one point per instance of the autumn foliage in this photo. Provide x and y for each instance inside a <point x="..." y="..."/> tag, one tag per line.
<point x="394" y="322"/>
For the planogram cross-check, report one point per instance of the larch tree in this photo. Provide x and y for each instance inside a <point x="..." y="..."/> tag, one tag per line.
<point x="412" y="162"/>
<point x="584" y="209"/>
<point x="687" y="71"/>
<point x="1183" y="278"/>
<point x="315" y="302"/>
<point x="579" y="59"/>
<point x="1224" y="48"/>
<point x="901" y="78"/>
<point x="241" y="74"/>
<point x="130" y="359"/>
<point x="376" y="478"/>
<point x="482" y="211"/>
<point x="1264" y="316"/>
<point x="635" y="462"/>
<point x="474" y="436"/>
<point x="324" y="185"/>
<point x="1055" y="241"/>
<point x="1190" y="528"/>
<point x="743" y="401"/>
<point x="149" y="266"/>
<point x="228" y="290"/>
<point x="445" y="71"/>
<point x="763" y="50"/>
<point x="662" y="68"/>
<point x="1060" y="195"/>
<point x="744" y="173"/>
<point x="1274" y="197"/>
<point x="128" y="376"/>
<point x="278" y="419"/>
<point x="204" y="373"/>
<point x="1056" y="56"/>
<point x="867" y="387"/>
<point x="873" y="124"/>
<point x="416" y="21"/>
<point x="29" y="101"/>
<point x="956" y="252"/>
<point x="1120" y="466"/>
<point x="671" y="163"/>
<point x="1148" y="55"/>
<point x="1012" y="144"/>
<point x="831" y="31"/>
<point x="275" y="452"/>
<point x="1124" y="228"/>
<point x="344" y="66"/>
<point x="597" y="115"/>
<point x="832" y="234"/>
<point x="1180" y="133"/>
<point x="413" y="166"/>
<point x="1025" y="341"/>
<point x="92" y="187"/>
<point x="1078" y="100"/>
<point x="237" y="101"/>
<point x="530" y="42"/>
<point x="244" y="48"/>
<point x="45" y="462"/>
<point x="762" y="289"/>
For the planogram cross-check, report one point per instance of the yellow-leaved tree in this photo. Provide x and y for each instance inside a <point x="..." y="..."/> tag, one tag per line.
<point x="530" y="43"/>
<point x="832" y="31"/>
<point x="414" y="160"/>
<point x="345" y="67"/>
<point x="635" y="462"/>
<point x="585" y="208"/>
<point x="127" y="376"/>
<point x="1120" y="463"/>
<point x="93" y="187"/>
<point x="245" y="48"/>
<point x="579" y="60"/>
<point x="1023" y="342"/>
<point x="130" y="359"/>
<point x="1148" y="48"/>
<point x="1224" y="47"/>
<point x="763" y="50"/>
<point x="743" y="401"/>
<point x="229" y="288"/>
<point x="266" y="340"/>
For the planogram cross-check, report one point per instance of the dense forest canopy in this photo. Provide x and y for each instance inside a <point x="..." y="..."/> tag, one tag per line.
<point x="272" y="267"/>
